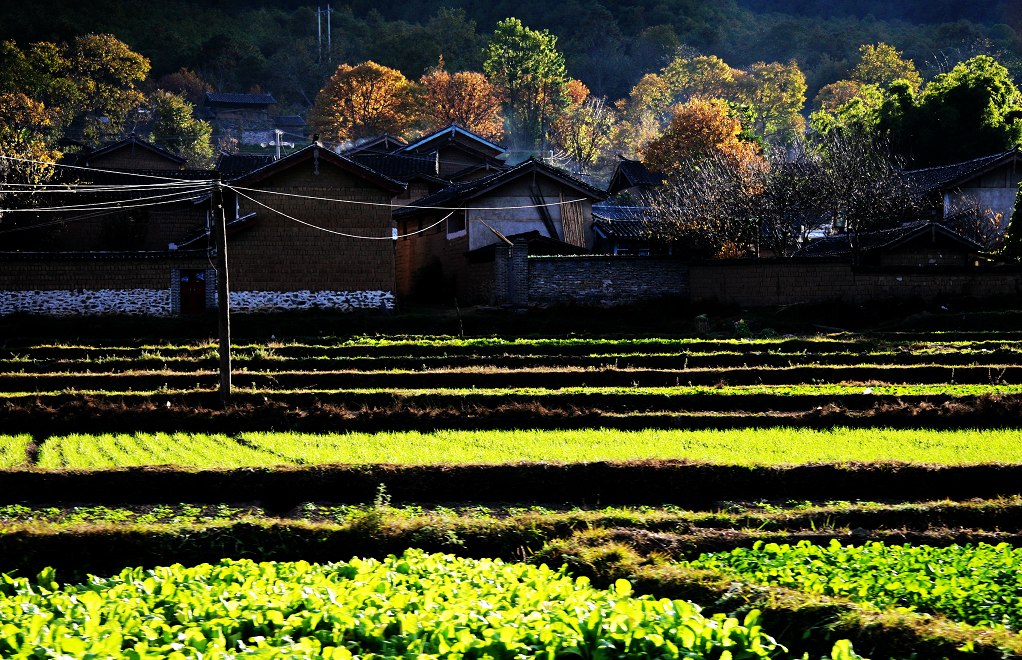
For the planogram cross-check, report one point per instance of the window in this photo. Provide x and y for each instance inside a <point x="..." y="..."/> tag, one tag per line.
<point x="456" y="224"/>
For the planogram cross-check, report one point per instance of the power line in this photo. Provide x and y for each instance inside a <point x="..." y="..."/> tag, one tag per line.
<point x="339" y="233"/>
<point x="178" y="196"/>
<point x="94" y="169"/>
<point x="411" y="206"/>
<point x="83" y="189"/>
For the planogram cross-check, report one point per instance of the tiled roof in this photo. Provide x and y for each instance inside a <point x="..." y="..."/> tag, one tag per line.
<point x="459" y="192"/>
<point x="229" y="98"/>
<point x="83" y="157"/>
<point x="235" y="165"/>
<point x="448" y="134"/>
<point x="380" y="144"/>
<point x="318" y="151"/>
<point x="944" y="176"/>
<point x="539" y="245"/>
<point x="839" y="245"/>
<point x="402" y="167"/>
<point x="630" y="173"/>
<point x="630" y="230"/>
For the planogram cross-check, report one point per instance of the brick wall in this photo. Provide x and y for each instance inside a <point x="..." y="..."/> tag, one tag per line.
<point x="432" y="265"/>
<point x="791" y="281"/>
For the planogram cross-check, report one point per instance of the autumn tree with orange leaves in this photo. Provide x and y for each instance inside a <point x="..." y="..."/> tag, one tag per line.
<point x="711" y="171"/>
<point x="699" y="129"/>
<point x="465" y="98"/>
<point x="362" y="101"/>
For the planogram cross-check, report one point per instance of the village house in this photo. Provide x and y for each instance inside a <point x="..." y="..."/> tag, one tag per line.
<point x="986" y="186"/>
<point x="114" y="246"/>
<point x="312" y="230"/>
<point x="245" y="117"/>
<point x="326" y="242"/>
<point x="447" y="238"/>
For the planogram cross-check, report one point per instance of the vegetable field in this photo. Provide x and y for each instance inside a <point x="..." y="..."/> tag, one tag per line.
<point x="415" y="605"/>
<point x="809" y="494"/>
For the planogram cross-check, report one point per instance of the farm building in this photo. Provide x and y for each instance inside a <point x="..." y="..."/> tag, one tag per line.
<point x="291" y="245"/>
<point x="987" y="185"/>
<point x="114" y="246"/>
<point x="459" y="154"/>
<point x="442" y="251"/>
<point x="286" y="251"/>
<point x="921" y="244"/>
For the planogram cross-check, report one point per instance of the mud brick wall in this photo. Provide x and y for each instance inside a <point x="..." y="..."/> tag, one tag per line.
<point x="792" y="281"/>
<point x="275" y="253"/>
<point x="604" y="280"/>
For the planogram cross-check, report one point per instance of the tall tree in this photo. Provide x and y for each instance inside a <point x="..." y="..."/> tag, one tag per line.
<point x="702" y="76"/>
<point x="776" y="94"/>
<point x="699" y="129"/>
<point x="583" y="132"/>
<point x="175" y="129"/>
<point x="465" y="98"/>
<point x="881" y="64"/>
<point x="977" y="102"/>
<point x="530" y="70"/>
<point x="362" y="101"/>
<point x="187" y="84"/>
<point x="91" y="82"/>
<point x="26" y="154"/>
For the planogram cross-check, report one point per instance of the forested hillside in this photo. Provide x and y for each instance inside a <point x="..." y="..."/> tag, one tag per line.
<point x="236" y="45"/>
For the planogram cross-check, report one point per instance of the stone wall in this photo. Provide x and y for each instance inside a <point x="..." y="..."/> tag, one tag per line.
<point x="601" y="280"/>
<point x="277" y="301"/>
<point x="135" y="302"/>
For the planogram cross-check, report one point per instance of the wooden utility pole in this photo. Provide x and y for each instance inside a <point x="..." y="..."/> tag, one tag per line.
<point x="223" y="296"/>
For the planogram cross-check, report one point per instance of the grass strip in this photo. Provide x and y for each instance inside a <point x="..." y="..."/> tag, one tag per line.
<point x="733" y="391"/>
<point x="14" y="450"/>
<point x="111" y="450"/>
<point x="742" y="447"/>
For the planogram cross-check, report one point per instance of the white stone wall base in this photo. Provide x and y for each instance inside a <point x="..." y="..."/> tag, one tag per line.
<point x="136" y="302"/>
<point x="281" y="301"/>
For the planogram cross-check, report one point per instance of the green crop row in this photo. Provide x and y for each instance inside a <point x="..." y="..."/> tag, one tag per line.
<point x="415" y="605"/>
<point x="773" y="446"/>
<point x="13" y="450"/>
<point x="978" y="585"/>
<point x="821" y="389"/>
<point x="122" y="450"/>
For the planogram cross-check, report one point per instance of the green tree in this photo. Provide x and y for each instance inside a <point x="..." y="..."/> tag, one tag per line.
<point x="776" y="94"/>
<point x="175" y="129"/>
<point x="26" y="154"/>
<point x="881" y="65"/>
<point x="973" y="110"/>
<point x="530" y="70"/>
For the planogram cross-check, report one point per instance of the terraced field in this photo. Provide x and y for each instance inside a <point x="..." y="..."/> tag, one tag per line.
<point x="492" y="382"/>
<point x="651" y="460"/>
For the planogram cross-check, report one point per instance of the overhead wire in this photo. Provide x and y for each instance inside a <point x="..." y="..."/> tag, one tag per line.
<point x="95" y="169"/>
<point x="176" y="196"/>
<point x="340" y="233"/>
<point x="409" y="206"/>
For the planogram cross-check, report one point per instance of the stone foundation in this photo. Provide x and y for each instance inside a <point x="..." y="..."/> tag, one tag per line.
<point x="281" y="301"/>
<point x="136" y="302"/>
